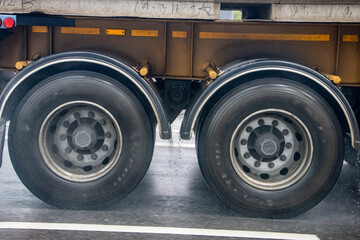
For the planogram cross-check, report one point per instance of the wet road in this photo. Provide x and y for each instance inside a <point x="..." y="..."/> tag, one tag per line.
<point x="174" y="198"/>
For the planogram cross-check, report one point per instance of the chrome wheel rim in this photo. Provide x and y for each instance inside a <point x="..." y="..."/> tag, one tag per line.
<point x="271" y="149"/>
<point x="80" y="141"/>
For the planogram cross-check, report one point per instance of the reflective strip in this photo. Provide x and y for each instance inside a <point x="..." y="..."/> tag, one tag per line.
<point x="179" y="34"/>
<point x="39" y="29"/>
<point x="76" y="30"/>
<point x="144" y="33"/>
<point x="119" y="32"/>
<point x="350" y="38"/>
<point x="266" y="36"/>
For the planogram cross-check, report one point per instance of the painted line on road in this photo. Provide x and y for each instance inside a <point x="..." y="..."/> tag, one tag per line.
<point x="175" y="144"/>
<point x="154" y="230"/>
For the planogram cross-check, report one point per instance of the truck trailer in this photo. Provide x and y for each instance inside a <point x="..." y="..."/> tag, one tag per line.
<point x="272" y="99"/>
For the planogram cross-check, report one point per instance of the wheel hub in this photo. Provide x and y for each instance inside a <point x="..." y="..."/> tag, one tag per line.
<point x="271" y="149"/>
<point x="82" y="141"/>
<point x="268" y="147"/>
<point x="84" y="137"/>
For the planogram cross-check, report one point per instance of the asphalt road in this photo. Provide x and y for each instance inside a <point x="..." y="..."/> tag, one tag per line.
<point x="173" y="202"/>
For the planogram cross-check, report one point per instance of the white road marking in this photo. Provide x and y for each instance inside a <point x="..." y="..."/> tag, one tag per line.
<point x="155" y="230"/>
<point x="175" y="144"/>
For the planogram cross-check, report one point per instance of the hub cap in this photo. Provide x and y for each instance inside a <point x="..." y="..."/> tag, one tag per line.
<point x="271" y="149"/>
<point x="80" y="141"/>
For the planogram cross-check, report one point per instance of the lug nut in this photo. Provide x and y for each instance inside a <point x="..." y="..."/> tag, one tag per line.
<point x="249" y="129"/>
<point x="91" y="114"/>
<point x="68" y="150"/>
<point x="77" y="115"/>
<point x="288" y="145"/>
<point x="94" y="156"/>
<point x="285" y="132"/>
<point x="271" y="165"/>
<point x="62" y="137"/>
<point x="108" y="134"/>
<point x="282" y="157"/>
<point x="243" y="142"/>
<point x="261" y="122"/>
<point x="275" y="123"/>
<point x="102" y="122"/>
<point x="246" y="155"/>
<point x="257" y="164"/>
<point x="80" y="157"/>
<point x="104" y="148"/>
<point x="66" y="124"/>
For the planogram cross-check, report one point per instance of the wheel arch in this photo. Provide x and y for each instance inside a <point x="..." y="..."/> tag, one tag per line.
<point x="37" y="71"/>
<point x="242" y="72"/>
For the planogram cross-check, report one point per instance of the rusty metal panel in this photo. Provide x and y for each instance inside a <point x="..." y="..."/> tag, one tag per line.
<point x="13" y="46"/>
<point x="349" y="55"/>
<point x="138" y="41"/>
<point x="178" y="49"/>
<point x="312" y="45"/>
<point x="39" y="41"/>
<point x="178" y="54"/>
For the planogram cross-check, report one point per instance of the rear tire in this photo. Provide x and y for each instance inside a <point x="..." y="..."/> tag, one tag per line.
<point x="80" y="140"/>
<point x="271" y="148"/>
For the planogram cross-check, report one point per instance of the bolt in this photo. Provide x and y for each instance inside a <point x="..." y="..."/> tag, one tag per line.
<point x="62" y="137"/>
<point x="66" y="124"/>
<point x="80" y="157"/>
<point x="282" y="157"/>
<point x="94" y="156"/>
<point x="275" y="123"/>
<point x="103" y="122"/>
<point x="91" y="114"/>
<point x="243" y="142"/>
<point x="104" y="148"/>
<point x="249" y="129"/>
<point x="68" y="150"/>
<point x="261" y="122"/>
<point x="108" y="134"/>
<point x="246" y="155"/>
<point x="285" y="132"/>
<point x="271" y="165"/>
<point x="288" y="145"/>
<point x="257" y="164"/>
<point x="77" y="115"/>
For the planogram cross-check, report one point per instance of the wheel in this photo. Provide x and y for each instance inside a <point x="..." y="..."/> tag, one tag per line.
<point x="80" y="140"/>
<point x="271" y="148"/>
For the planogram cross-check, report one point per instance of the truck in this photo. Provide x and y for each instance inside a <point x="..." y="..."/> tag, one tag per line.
<point x="272" y="99"/>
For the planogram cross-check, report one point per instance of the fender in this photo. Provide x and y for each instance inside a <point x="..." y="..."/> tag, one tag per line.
<point x="239" y="73"/>
<point x="14" y="92"/>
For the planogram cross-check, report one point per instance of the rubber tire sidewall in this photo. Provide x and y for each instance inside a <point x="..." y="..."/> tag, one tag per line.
<point x="310" y="108"/>
<point x="137" y="136"/>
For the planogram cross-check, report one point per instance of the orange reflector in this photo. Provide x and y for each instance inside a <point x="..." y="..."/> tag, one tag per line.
<point x="119" y="32"/>
<point x="76" y="30"/>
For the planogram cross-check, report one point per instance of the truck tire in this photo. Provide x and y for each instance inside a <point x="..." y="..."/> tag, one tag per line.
<point x="80" y="140"/>
<point x="271" y="148"/>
